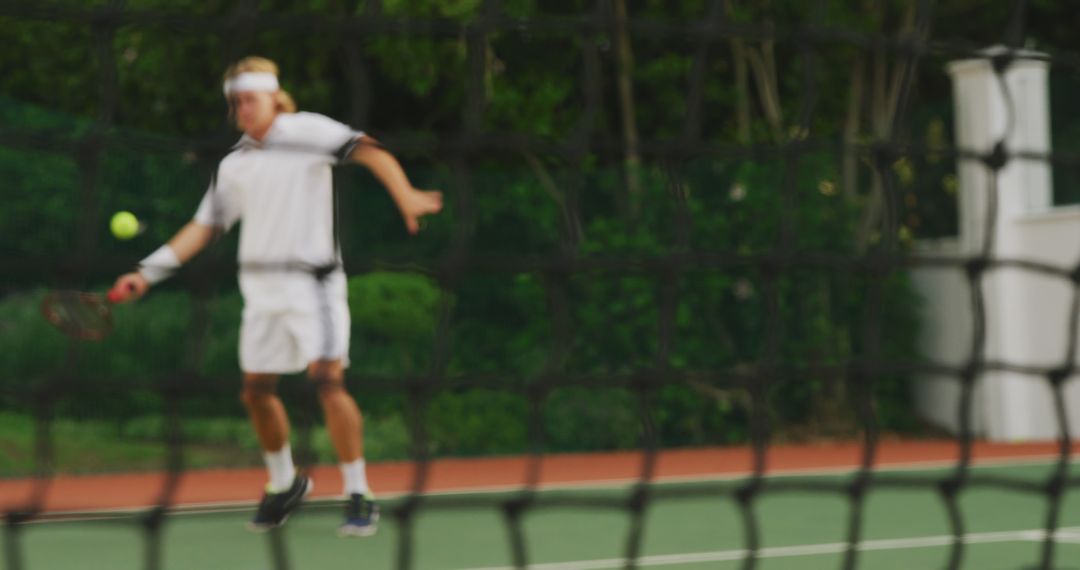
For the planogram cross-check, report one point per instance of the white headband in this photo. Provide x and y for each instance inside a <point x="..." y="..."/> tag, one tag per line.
<point x="251" y="81"/>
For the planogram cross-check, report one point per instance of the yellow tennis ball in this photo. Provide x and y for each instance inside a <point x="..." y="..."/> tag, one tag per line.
<point x="124" y="225"/>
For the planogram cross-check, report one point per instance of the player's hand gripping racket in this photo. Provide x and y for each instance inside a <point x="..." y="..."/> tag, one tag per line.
<point x="84" y="316"/>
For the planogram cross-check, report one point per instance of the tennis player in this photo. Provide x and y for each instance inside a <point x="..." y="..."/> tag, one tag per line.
<point x="277" y="181"/>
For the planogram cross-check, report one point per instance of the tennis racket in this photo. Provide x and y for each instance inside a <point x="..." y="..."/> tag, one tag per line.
<point x="81" y="315"/>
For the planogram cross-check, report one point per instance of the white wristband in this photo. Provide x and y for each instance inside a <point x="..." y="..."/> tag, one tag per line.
<point x="159" y="265"/>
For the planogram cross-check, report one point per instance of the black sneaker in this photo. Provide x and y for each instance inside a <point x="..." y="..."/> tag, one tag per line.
<point x="274" y="508"/>
<point x="361" y="516"/>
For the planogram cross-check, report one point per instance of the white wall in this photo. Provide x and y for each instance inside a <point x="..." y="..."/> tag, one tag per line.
<point x="948" y="326"/>
<point x="1027" y="313"/>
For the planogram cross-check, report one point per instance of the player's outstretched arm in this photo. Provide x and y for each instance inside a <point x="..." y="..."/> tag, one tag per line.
<point x="412" y="203"/>
<point x="189" y="241"/>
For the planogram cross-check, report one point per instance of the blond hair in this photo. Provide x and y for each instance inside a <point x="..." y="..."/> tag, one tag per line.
<point x="282" y="100"/>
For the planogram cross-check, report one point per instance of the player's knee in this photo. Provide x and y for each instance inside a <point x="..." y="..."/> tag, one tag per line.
<point x="327" y="377"/>
<point x="328" y="369"/>
<point x="328" y="386"/>
<point x="255" y="392"/>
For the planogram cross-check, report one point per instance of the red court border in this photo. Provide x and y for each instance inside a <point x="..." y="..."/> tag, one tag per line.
<point x="217" y="486"/>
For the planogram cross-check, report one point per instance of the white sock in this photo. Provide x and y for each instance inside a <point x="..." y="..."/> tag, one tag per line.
<point x="282" y="472"/>
<point x="354" y="476"/>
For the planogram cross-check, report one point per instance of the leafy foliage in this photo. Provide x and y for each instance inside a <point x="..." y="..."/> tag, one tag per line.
<point x="635" y="309"/>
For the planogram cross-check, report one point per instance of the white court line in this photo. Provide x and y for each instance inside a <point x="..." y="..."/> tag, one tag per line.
<point x="1071" y="535"/>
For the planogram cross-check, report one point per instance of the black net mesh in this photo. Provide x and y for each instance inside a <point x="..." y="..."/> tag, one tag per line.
<point x="559" y="270"/>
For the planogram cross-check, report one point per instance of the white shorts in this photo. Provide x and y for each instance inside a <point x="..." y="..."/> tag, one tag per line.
<point x="285" y="342"/>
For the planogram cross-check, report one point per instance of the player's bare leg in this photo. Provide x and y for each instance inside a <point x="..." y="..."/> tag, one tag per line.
<point x="266" y="411"/>
<point x="343" y="419"/>
<point x="286" y="489"/>
<point x="345" y="424"/>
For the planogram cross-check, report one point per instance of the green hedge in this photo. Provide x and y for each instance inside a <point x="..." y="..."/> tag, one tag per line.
<point x="503" y="325"/>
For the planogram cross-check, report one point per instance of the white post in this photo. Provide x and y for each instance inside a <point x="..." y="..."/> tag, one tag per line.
<point x="989" y="108"/>
<point x="986" y="111"/>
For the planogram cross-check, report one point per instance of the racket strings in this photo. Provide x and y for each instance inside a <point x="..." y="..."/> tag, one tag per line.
<point x="81" y="315"/>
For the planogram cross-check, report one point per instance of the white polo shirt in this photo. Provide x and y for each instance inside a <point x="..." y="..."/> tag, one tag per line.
<point x="282" y="190"/>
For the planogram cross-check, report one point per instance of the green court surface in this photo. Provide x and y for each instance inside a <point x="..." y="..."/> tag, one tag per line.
<point x="904" y="529"/>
